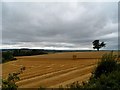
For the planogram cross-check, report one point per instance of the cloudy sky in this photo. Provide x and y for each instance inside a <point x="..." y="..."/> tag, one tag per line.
<point x="59" y="25"/>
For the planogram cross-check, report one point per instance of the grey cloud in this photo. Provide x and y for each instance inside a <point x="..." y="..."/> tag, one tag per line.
<point x="76" y="24"/>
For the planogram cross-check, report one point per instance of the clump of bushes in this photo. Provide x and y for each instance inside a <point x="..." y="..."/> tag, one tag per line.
<point x="107" y="64"/>
<point x="105" y="76"/>
<point x="7" y="56"/>
<point x="22" y="69"/>
<point x="10" y="82"/>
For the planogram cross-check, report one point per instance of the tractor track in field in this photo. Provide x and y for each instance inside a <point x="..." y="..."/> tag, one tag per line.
<point x="81" y="78"/>
<point x="46" y="71"/>
<point x="50" y="77"/>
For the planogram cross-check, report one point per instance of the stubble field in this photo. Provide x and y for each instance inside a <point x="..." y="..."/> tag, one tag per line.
<point x="53" y="70"/>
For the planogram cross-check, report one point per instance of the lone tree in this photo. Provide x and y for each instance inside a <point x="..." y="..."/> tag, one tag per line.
<point x="97" y="45"/>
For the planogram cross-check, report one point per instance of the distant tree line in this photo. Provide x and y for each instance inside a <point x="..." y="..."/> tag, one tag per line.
<point x="27" y="52"/>
<point x="10" y="54"/>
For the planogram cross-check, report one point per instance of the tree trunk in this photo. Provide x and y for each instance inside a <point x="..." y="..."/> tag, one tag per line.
<point x="97" y="49"/>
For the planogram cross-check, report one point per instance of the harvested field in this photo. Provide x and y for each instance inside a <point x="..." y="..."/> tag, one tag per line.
<point x="53" y="70"/>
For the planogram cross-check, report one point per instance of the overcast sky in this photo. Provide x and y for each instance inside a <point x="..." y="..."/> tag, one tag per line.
<point x="59" y="25"/>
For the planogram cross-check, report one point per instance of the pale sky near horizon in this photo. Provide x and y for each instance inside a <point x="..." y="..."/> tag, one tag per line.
<point x="59" y="25"/>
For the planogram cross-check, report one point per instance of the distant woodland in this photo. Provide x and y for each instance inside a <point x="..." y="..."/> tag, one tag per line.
<point x="10" y="55"/>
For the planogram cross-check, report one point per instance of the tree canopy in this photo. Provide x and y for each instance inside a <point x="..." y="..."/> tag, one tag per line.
<point x="97" y="44"/>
